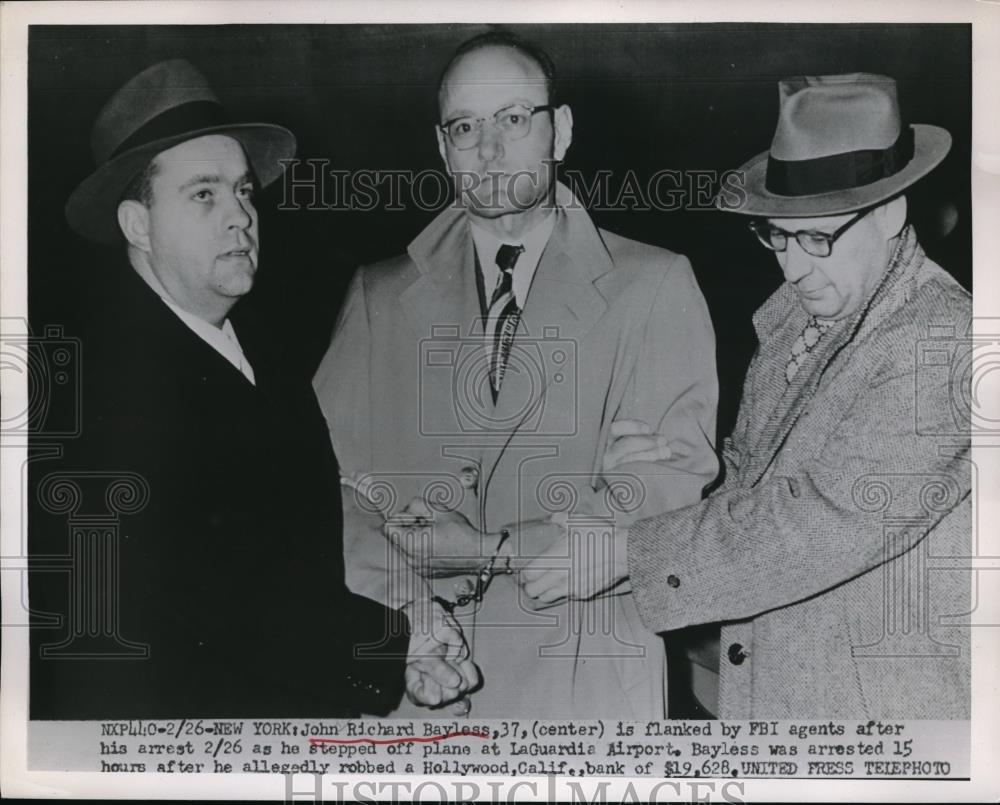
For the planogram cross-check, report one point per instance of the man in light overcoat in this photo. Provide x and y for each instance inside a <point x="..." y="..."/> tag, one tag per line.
<point x="482" y="372"/>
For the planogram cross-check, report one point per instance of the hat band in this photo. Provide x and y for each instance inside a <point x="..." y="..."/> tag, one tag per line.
<point x="808" y="177"/>
<point x="182" y="119"/>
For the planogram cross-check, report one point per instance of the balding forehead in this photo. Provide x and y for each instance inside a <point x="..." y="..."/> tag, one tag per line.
<point x="492" y="65"/>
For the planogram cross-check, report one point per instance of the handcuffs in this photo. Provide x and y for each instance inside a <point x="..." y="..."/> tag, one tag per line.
<point x="483" y="580"/>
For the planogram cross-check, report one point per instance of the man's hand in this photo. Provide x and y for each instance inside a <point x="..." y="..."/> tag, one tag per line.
<point x="633" y="440"/>
<point x="531" y="538"/>
<point x="438" y="667"/>
<point x="455" y="546"/>
<point x="579" y="566"/>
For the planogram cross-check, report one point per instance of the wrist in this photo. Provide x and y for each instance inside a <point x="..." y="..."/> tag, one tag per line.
<point x="503" y="541"/>
<point x="418" y="611"/>
<point x="500" y="558"/>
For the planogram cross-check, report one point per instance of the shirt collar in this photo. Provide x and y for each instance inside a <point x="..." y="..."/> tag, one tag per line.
<point x="534" y="242"/>
<point x="222" y="339"/>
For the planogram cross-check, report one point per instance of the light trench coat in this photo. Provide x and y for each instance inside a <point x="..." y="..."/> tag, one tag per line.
<point x="611" y="328"/>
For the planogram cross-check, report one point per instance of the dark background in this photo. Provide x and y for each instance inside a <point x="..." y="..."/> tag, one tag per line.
<point x="644" y="98"/>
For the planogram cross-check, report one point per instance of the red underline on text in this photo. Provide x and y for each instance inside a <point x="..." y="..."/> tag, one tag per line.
<point x="427" y="739"/>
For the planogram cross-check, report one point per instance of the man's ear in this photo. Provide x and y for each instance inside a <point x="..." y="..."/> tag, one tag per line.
<point x="133" y="218"/>
<point x="442" y="147"/>
<point x="893" y="217"/>
<point x="562" y="121"/>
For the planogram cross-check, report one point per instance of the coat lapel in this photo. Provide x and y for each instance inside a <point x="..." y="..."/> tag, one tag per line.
<point x="444" y="295"/>
<point x="786" y="401"/>
<point x="563" y="296"/>
<point x="270" y="372"/>
<point x="442" y="303"/>
<point x="563" y="304"/>
<point x="162" y="338"/>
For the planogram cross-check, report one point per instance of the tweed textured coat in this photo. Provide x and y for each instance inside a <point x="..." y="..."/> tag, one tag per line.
<point x="611" y="328"/>
<point x="828" y="553"/>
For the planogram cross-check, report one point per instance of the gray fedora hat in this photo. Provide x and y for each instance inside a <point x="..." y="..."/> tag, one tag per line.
<point x="840" y="146"/>
<point x="163" y="106"/>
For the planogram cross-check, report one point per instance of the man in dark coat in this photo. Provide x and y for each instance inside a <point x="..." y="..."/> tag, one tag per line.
<point x="198" y="513"/>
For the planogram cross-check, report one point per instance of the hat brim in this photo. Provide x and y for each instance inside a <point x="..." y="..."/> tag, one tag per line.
<point x="92" y="208"/>
<point x="931" y="145"/>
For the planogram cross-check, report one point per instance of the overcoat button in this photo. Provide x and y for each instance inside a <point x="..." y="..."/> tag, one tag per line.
<point x="673" y="581"/>
<point x="737" y="654"/>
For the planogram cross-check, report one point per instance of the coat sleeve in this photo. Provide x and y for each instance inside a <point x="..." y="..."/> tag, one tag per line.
<point x="374" y="567"/>
<point x="745" y="551"/>
<point x="733" y="445"/>
<point x="342" y="382"/>
<point x="674" y="389"/>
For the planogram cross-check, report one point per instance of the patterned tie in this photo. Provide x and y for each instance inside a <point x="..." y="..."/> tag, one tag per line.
<point x="503" y="316"/>
<point x="804" y="344"/>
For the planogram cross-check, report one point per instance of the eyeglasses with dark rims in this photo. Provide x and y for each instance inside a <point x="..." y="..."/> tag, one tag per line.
<point x="812" y="241"/>
<point x="514" y="122"/>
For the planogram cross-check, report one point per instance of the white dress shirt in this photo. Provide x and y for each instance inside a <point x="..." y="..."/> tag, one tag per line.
<point x="534" y="241"/>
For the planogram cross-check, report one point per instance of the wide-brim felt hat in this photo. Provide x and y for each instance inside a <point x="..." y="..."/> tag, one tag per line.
<point x="166" y="104"/>
<point x="840" y="146"/>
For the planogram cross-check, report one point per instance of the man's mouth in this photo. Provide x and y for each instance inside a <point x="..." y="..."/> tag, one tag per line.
<point x="244" y="252"/>
<point x="491" y="176"/>
<point x="812" y="293"/>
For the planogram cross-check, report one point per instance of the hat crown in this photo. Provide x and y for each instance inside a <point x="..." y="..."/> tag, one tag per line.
<point x="157" y="89"/>
<point x="820" y="116"/>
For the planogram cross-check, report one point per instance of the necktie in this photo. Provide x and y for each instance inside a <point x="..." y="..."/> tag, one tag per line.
<point x="503" y="316"/>
<point x="804" y="344"/>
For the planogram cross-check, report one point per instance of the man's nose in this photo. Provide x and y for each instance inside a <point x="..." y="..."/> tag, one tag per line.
<point x="239" y="213"/>
<point x="795" y="263"/>
<point x="490" y="142"/>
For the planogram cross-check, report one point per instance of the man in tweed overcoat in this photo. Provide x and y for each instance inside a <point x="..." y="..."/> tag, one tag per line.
<point x="847" y="476"/>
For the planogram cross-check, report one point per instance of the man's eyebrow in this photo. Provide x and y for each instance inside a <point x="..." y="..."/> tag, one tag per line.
<point x="213" y="178"/>
<point x="202" y="178"/>
<point x="507" y="104"/>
